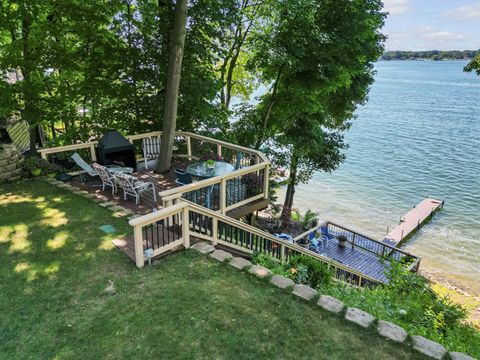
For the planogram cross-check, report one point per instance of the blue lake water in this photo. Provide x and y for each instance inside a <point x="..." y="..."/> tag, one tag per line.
<point x="418" y="135"/>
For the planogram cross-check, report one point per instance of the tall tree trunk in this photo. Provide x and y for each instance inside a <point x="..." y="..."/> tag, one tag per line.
<point x="173" y="83"/>
<point x="288" y="203"/>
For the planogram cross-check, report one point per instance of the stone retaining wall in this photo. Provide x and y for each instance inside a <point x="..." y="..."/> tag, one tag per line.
<point x="11" y="163"/>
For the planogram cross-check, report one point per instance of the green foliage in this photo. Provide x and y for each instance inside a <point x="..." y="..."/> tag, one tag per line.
<point x="409" y="302"/>
<point x="308" y="220"/>
<point x="430" y="55"/>
<point x="474" y="65"/>
<point x="33" y="162"/>
<point x="317" y="273"/>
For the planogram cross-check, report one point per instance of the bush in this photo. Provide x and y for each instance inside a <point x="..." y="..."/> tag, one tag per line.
<point x="317" y="273"/>
<point x="33" y="162"/>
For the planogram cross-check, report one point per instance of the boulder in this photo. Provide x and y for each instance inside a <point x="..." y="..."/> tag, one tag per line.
<point x="459" y="356"/>
<point x="259" y="271"/>
<point x="331" y="304"/>
<point x="428" y="347"/>
<point x="220" y="255"/>
<point x="391" y="331"/>
<point x="203" y="247"/>
<point x="240" y="263"/>
<point x="281" y="282"/>
<point x="359" y="317"/>
<point x="305" y="292"/>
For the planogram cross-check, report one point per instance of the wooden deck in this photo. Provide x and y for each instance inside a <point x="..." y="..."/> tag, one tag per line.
<point x="412" y="221"/>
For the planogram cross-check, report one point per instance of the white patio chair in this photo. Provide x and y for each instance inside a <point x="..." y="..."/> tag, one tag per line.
<point x="151" y="149"/>
<point x="107" y="178"/>
<point x="134" y="187"/>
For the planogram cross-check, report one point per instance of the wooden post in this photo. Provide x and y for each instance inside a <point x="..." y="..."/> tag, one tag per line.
<point x="43" y="155"/>
<point x="92" y="152"/>
<point x="219" y="150"/>
<point x="266" y="178"/>
<point x="282" y="253"/>
<point x="223" y="196"/>
<point x="353" y="240"/>
<point x="189" y="148"/>
<point x="214" y="230"/>
<point x="138" y="240"/>
<point x="185" y="228"/>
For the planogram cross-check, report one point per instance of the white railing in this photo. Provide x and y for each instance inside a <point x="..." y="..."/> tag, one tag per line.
<point x="222" y="193"/>
<point x="187" y="220"/>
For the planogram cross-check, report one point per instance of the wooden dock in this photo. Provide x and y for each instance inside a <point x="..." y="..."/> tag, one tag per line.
<point x="412" y="221"/>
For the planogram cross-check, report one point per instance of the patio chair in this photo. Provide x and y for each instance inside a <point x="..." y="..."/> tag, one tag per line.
<point x="107" y="178"/>
<point x="134" y="187"/>
<point x="182" y="177"/>
<point x="82" y="164"/>
<point x="151" y="149"/>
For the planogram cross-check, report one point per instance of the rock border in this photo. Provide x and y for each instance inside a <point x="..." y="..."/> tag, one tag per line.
<point x="117" y="210"/>
<point x="385" y="329"/>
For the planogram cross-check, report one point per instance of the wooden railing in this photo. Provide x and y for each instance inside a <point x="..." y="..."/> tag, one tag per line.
<point x="365" y="243"/>
<point x="222" y="193"/>
<point x="186" y="220"/>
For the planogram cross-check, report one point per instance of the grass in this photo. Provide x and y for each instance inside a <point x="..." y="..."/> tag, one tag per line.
<point x="55" y="266"/>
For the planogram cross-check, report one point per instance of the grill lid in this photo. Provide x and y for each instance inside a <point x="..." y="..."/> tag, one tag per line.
<point x="112" y="139"/>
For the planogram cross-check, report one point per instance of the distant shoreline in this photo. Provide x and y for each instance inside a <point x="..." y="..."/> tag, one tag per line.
<point x="432" y="55"/>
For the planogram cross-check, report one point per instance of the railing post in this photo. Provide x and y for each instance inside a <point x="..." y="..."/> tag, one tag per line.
<point x="266" y="178"/>
<point x="219" y="150"/>
<point x="43" y="155"/>
<point x="223" y="196"/>
<point x="138" y="241"/>
<point x="214" y="230"/>
<point x="353" y="240"/>
<point x="189" y="148"/>
<point x="282" y="253"/>
<point x="185" y="228"/>
<point x="92" y="152"/>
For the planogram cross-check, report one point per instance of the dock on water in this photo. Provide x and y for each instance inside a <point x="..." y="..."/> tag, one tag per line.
<point x="412" y="221"/>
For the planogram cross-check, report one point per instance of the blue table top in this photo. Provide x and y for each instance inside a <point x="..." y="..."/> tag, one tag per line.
<point x="200" y="169"/>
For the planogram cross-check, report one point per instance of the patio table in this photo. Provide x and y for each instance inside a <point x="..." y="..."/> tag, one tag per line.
<point x="201" y="170"/>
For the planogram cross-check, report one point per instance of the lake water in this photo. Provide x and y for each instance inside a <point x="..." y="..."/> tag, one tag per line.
<point x="418" y="135"/>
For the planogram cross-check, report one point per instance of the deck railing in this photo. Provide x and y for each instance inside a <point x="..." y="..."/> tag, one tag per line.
<point x="187" y="220"/>
<point x="365" y="243"/>
<point x="222" y="193"/>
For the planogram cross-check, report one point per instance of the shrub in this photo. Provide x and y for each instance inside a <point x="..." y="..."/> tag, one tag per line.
<point x="33" y="162"/>
<point x="317" y="273"/>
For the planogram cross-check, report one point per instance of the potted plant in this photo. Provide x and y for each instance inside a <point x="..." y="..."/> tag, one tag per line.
<point x="34" y="165"/>
<point x="53" y="169"/>
<point x="342" y="240"/>
<point x="210" y="163"/>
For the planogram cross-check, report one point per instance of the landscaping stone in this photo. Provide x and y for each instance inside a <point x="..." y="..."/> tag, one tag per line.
<point x="134" y="216"/>
<point x="11" y="163"/>
<point x="116" y="208"/>
<point x="240" y="263"/>
<point x="459" y="356"/>
<point x="259" y="271"/>
<point x="106" y="204"/>
<point x="331" y="304"/>
<point x="428" y="347"/>
<point x="359" y="317"/>
<point x="203" y="247"/>
<point x="305" y="292"/>
<point x="281" y="282"/>
<point x="391" y="331"/>
<point x="220" y="255"/>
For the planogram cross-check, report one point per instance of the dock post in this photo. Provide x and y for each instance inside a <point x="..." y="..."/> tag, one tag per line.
<point x="401" y="238"/>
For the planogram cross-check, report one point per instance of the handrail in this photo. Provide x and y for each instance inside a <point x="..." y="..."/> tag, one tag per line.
<point x="186" y="205"/>
<point x="392" y="248"/>
<point x="207" y="182"/>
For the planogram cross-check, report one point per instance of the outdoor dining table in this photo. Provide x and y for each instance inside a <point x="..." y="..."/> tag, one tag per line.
<point x="203" y="171"/>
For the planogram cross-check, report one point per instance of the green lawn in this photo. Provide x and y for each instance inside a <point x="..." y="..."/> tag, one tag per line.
<point x="55" y="265"/>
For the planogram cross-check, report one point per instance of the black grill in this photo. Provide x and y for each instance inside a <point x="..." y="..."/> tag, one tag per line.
<point x="114" y="149"/>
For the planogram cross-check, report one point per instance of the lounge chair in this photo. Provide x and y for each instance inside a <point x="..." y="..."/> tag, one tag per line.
<point x="134" y="187"/>
<point x="82" y="164"/>
<point x="238" y="162"/>
<point x="107" y="178"/>
<point x="151" y="149"/>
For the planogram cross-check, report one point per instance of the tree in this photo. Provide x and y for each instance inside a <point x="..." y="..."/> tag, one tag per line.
<point x="317" y="58"/>
<point x="473" y="65"/>
<point x="173" y="83"/>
